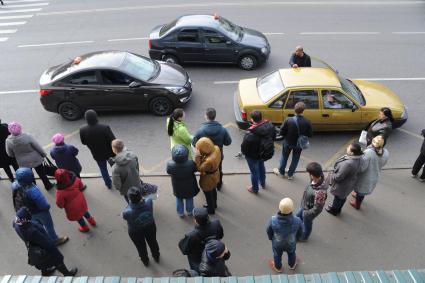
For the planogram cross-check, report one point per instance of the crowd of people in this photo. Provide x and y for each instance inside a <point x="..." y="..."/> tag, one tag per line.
<point x="356" y="173"/>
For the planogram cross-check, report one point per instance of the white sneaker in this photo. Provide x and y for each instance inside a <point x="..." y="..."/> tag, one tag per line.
<point x="277" y="173"/>
<point x="290" y="177"/>
<point x="414" y="176"/>
<point x="421" y="180"/>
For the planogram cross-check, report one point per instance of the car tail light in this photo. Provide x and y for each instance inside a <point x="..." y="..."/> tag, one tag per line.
<point x="243" y="115"/>
<point x="150" y="44"/>
<point x="44" y="92"/>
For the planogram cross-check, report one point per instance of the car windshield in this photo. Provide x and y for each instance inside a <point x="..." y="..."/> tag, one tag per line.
<point x="230" y="29"/>
<point x="139" y="67"/>
<point x="351" y="89"/>
<point x="167" y="27"/>
<point x="269" y="86"/>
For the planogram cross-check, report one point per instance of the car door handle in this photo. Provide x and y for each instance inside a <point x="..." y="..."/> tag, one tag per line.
<point x="207" y="49"/>
<point x="290" y="115"/>
<point x="108" y="90"/>
<point x="325" y="115"/>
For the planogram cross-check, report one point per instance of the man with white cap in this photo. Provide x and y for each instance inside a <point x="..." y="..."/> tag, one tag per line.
<point x="283" y="229"/>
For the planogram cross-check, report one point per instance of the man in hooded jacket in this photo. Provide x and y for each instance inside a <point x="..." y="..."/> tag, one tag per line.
<point x="213" y="260"/>
<point x="98" y="138"/>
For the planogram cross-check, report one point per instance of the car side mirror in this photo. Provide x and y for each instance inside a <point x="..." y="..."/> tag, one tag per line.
<point x="353" y="107"/>
<point x="134" y="85"/>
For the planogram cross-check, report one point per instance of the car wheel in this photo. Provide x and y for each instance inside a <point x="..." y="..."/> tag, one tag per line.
<point x="170" y="59"/>
<point x="248" y="62"/>
<point x="70" y="111"/>
<point x="161" y="106"/>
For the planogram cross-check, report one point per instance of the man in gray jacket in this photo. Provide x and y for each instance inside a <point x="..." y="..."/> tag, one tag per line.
<point x="125" y="171"/>
<point x="343" y="177"/>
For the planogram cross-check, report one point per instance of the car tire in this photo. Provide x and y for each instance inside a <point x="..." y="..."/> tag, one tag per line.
<point x="247" y="62"/>
<point x="170" y="59"/>
<point x="161" y="106"/>
<point x="69" y="111"/>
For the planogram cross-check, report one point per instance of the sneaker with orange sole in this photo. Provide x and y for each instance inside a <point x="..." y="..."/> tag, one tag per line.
<point x="295" y="264"/>
<point x="273" y="267"/>
<point x="92" y="221"/>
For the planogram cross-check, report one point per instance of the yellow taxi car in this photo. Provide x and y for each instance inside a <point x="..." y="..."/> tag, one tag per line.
<point x="333" y="103"/>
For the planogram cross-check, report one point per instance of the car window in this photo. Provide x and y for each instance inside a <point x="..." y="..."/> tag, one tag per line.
<point x="115" y="78"/>
<point x="167" y="27"/>
<point x="333" y="99"/>
<point x="280" y="102"/>
<point x="214" y="37"/>
<point x="309" y="97"/>
<point x="188" y="35"/>
<point x="269" y="86"/>
<point x="83" y="78"/>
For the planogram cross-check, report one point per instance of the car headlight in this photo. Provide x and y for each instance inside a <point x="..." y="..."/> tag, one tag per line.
<point x="264" y="50"/>
<point x="176" y="89"/>
<point x="404" y="114"/>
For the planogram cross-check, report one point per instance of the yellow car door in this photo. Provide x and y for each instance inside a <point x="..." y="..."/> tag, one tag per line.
<point x="273" y="111"/>
<point x="311" y="100"/>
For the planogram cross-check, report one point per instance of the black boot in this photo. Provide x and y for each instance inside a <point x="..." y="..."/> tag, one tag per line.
<point x="64" y="270"/>
<point x="48" y="271"/>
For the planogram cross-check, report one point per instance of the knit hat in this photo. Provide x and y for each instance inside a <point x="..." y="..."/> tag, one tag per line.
<point x="286" y="206"/>
<point x="214" y="248"/>
<point x="23" y="214"/>
<point x="24" y="176"/>
<point x="134" y="194"/>
<point x="14" y="128"/>
<point x="201" y="215"/>
<point x="64" y="178"/>
<point x="58" y="138"/>
<point x="378" y="142"/>
<point x="91" y="117"/>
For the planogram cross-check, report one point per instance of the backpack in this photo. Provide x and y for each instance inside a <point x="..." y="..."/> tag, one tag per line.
<point x="266" y="149"/>
<point x="20" y="198"/>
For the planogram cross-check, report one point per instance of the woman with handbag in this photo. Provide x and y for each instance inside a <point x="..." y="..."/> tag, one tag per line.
<point x="42" y="251"/>
<point x="27" y="152"/>
<point x="381" y="127"/>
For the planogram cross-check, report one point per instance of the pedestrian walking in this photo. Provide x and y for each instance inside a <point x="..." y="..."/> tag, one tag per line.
<point x="98" y="137"/>
<point x="69" y="196"/>
<point x="5" y="160"/>
<point x="213" y="260"/>
<point x="299" y="58"/>
<point x="258" y="146"/>
<point x="193" y="243"/>
<point x="374" y="158"/>
<point x="283" y="230"/>
<point x="177" y="130"/>
<point x="293" y="130"/>
<point x="141" y="224"/>
<point x="314" y="198"/>
<point x="207" y="159"/>
<point x="383" y="126"/>
<point x="125" y="171"/>
<point x="27" y="151"/>
<point x="1" y="1"/>
<point x="343" y="177"/>
<point x="420" y="161"/>
<point x="42" y="251"/>
<point x="182" y="171"/>
<point x="65" y="155"/>
<point x="217" y="134"/>
<point x="26" y="193"/>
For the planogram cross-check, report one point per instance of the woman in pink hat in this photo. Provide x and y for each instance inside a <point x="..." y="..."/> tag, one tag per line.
<point x="65" y="155"/>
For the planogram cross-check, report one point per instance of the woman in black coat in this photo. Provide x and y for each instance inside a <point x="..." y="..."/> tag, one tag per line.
<point x="34" y="235"/>
<point x="5" y="160"/>
<point x="383" y="126"/>
<point x="182" y="171"/>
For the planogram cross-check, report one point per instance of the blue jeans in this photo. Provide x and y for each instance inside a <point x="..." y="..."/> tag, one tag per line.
<point x="82" y="222"/>
<point x="307" y="223"/>
<point x="296" y="154"/>
<point x="104" y="171"/>
<point x="258" y="172"/>
<point x="46" y="220"/>
<point x="180" y="205"/>
<point x="277" y="256"/>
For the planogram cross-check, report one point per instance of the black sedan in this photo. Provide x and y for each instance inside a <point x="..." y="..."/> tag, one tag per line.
<point x="114" y="80"/>
<point x="208" y="39"/>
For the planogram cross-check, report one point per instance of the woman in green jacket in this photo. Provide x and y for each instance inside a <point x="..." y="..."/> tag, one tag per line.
<point x="177" y="130"/>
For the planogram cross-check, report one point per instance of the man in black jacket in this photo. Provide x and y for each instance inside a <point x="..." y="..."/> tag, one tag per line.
<point x="193" y="243"/>
<point x="299" y="58"/>
<point x="213" y="260"/>
<point x="215" y="132"/>
<point x="5" y="160"/>
<point x="420" y="161"/>
<point x="253" y="141"/>
<point x="98" y="138"/>
<point x="291" y="130"/>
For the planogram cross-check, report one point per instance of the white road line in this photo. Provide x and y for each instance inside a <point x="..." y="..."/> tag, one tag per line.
<point x="2" y="39"/>
<point x="225" y="82"/>
<point x="128" y="39"/>
<point x="273" y="33"/>
<point x="3" y="31"/>
<point x="230" y="4"/>
<point x="340" y="33"/>
<point x="408" y="32"/>
<point x="27" y="5"/>
<point x="15" y="17"/>
<point x="20" y="11"/>
<point x="12" y="24"/>
<point x="19" y="91"/>
<point x="365" y="79"/>
<point x="55" y="43"/>
<point x="22" y="1"/>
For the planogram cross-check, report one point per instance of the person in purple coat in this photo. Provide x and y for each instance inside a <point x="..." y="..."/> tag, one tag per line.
<point x="65" y="155"/>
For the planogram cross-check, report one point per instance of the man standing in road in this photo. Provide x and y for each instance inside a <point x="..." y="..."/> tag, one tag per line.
<point x="125" y="171"/>
<point x="215" y="132"/>
<point x="98" y="138"/>
<point x="299" y="58"/>
<point x="292" y="128"/>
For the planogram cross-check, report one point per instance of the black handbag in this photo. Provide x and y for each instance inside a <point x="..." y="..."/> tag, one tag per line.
<point x="49" y="167"/>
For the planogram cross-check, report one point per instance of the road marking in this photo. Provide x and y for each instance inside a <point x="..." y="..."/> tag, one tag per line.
<point x="55" y="43"/>
<point x="273" y="33"/>
<point x="410" y="133"/>
<point x="223" y="4"/>
<point x="340" y="33"/>
<point x="66" y="137"/>
<point x="408" y="32"/>
<point x="128" y="39"/>
<point x="27" y="5"/>
<point x="18" y="91"/>
<point x="338" y="154"/>
<point x="225" y="82"/>
<point x="12" y="24"/>
<point x="2" y="39"/>
<point x="15" y="17"/>
<point x="23" y="1"/>
<point x="20" y="11"/>
<point x="3" y="31"/>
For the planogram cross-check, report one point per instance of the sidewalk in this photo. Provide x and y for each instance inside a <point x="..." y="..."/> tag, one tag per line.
<point x="386" y="234"/>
